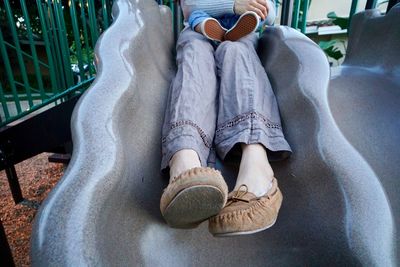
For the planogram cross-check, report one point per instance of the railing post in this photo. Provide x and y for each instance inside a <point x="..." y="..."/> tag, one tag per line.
<point x="33" y="49"/>
<point x="4" y="103"/>
<point x="304" y="16"/>
<point x="11" y="174"/>
<point x="9" y="73"/>
<point x="18" y="50"/>
<point x="76" y="34"/>
<point x="371" y="4"/>
<point x="14" y="184"/>
<point x="296" y="13"/>
<point x="353" y="10"/>
<point x="177" y="20"/>
<point x="287" y="12"/>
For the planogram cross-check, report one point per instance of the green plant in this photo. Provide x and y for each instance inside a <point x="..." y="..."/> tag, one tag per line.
<point x="330" y="49"/>
<point x="87" y="55"/>
<point x="342" y="22"/>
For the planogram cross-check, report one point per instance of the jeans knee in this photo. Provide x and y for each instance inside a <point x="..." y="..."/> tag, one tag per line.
<point x="229" y="50"/>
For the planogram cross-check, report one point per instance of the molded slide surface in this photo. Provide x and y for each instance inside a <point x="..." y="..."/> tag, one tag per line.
<point x="337" y="210"/>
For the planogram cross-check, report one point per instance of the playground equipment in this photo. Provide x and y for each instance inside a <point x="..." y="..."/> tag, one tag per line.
<point x="340" y="206"/>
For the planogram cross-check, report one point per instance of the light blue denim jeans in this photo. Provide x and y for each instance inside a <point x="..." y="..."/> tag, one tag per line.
<point x="220" y="97"/>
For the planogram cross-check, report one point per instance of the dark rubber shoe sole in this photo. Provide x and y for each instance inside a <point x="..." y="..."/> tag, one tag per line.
<point x="213" y="30"/>
<point x="193" y="205"/>
<point x="245" y="25"/>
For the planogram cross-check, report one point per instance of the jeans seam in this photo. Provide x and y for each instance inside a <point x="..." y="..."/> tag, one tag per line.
<point x="200" y="131"/>
<point x="243" y="117"/>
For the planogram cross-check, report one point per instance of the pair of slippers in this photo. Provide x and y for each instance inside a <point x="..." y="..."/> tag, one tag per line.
<point x="201" y="194"/>
<point x="246" y="24"/>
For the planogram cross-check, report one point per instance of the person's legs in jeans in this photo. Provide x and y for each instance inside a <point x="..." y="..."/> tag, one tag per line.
<point x="190" y="118"/>
<point x="194" y="193"/>
<point x="248" y="114"/>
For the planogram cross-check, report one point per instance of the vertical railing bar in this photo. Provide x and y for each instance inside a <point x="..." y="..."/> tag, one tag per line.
<point x="4" y="102"/>
<point x="64" y="33"/>
<point x="296" y="14"/>
<point x="370" y="4"/>
<point x="75" y="29"/>
<point x="9" y="72"/>
<point x="109" y="11"/>
<point x="94" y="31"/>
<point x="33" y="48"/>
<point x="63" y="37"/>
<point x="174" y="5"/>
<point x="304" y="16"/>
<point x="18" y="51"/>
<point x="105" y="14"/>
<point x="86" y="37"/>
<point x="177" y="19"/>
<point x="56" y="48"/>
<point x="353" y="10"/>
<point x="287" y="12"/>
<point x="49" y="54"/>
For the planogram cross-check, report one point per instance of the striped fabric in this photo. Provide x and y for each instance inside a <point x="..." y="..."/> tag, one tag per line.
<point x="216" y="8"/>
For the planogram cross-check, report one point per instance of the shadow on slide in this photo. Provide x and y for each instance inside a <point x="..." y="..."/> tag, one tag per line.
<point x="341" y="203"/>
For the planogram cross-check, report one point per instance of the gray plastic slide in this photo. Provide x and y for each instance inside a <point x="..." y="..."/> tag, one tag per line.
<point x="341" y="203"/>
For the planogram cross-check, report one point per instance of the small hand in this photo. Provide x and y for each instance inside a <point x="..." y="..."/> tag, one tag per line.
<point x="258" y="6"/>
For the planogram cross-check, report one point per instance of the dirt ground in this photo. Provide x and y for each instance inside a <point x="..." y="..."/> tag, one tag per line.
<point x="37" y="177"/>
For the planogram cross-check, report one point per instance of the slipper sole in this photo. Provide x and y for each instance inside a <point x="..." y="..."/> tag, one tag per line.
<point x="244" y="232"/>
<point x="193" y="205"/>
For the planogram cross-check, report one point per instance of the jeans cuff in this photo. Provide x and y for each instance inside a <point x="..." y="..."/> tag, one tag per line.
<point x="184" y="137"/>
<point x="252" y="130"/>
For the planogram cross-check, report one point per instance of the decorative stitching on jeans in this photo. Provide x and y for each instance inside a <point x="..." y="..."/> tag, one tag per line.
<point x="246" y="116"/>
<point x="203" y="136"/>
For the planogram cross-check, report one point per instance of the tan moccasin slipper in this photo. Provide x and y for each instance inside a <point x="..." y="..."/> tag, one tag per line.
<point x="247" y="214"/>
<point x="193" y="197"/>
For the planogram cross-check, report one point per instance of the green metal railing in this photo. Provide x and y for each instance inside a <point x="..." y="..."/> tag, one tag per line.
<point x="46" y="48"/>
<point x="46" y="51"/>
<point x="301" y="7"/>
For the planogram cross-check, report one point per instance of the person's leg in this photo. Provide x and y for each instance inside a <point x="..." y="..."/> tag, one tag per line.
<point x="248" y="113"/>
<point x="194" y="193"/>
<point x="190" y="118"/>
<point x="248" y="118"/>
<point x="255" y="170"/>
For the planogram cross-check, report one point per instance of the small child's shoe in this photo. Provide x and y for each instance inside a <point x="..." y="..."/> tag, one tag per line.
<point x="246" y="24"/>
<point x="212" y="29"/>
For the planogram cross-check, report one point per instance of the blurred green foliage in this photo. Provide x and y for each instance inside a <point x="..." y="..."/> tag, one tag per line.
<point x="331" y="49"/>
<point x="342" y="22"/>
